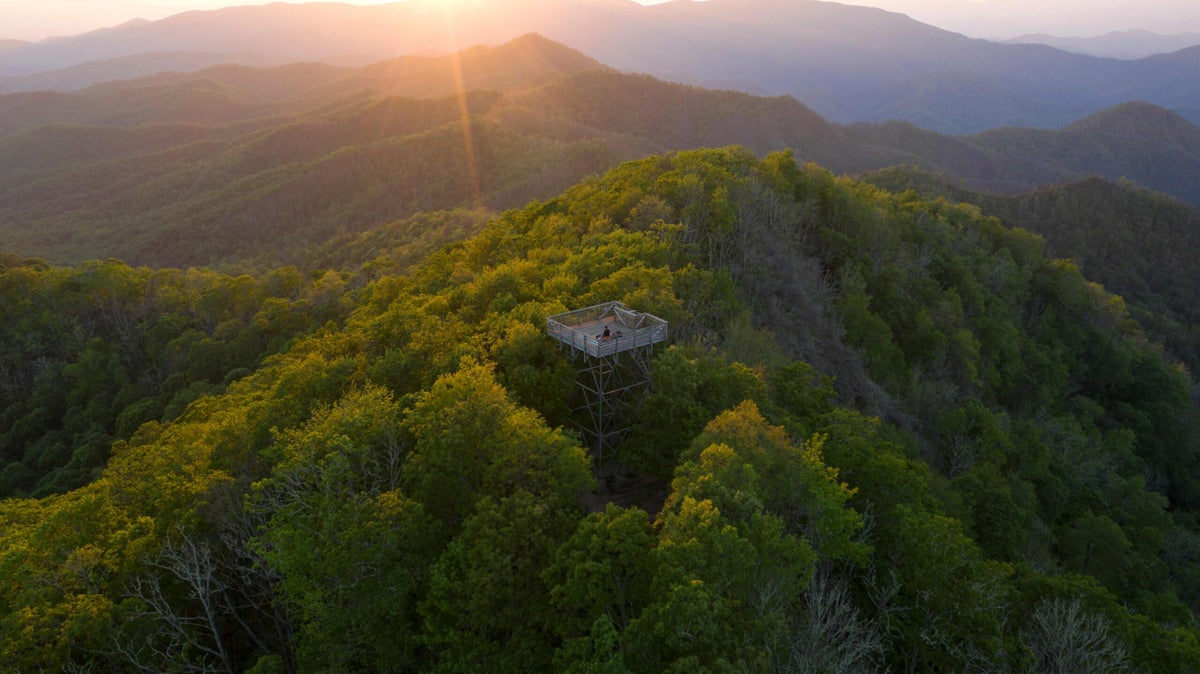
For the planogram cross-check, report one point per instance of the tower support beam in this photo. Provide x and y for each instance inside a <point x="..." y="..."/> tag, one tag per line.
<point x="611" y="347"/>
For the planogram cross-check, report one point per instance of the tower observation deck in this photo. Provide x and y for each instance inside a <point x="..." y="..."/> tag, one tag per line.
<point x="611" y="346"/>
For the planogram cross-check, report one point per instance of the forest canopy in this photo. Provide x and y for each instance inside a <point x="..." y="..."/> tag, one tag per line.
<point x="891" y="434"/>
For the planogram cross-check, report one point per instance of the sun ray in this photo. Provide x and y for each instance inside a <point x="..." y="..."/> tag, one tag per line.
<point x="460" y="92"/>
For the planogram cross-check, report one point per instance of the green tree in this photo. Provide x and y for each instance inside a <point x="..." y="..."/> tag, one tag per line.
<point x="471" y="441"/>
<point x="739" y="453"/>
<point x="488" y="607"/>
<point x="350" y="551"/>
<point x="689" y="389"/>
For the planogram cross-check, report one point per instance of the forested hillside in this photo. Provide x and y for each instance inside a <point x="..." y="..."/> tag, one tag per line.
<point x="1139" y="244"/>
<point x="91" y="353"/>
<point x="1144" y="143"/>
<point x="238" y="93"/>
<point x="892" y="434"/>
<point x="238" y="167"/>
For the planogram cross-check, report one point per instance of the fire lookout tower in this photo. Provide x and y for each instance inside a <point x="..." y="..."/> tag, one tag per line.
<point x="611" y="346"/>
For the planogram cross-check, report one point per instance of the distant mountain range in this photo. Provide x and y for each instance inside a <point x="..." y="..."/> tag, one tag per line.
<point x="12" y="45"/>
<point x="848" y="63"/>
<point x="1125" y="44"/>
<point x="1148" y="144"/>
<point x="233" y="93"/>
<point x="200" y="168"/>
<point x="84" y="75"/>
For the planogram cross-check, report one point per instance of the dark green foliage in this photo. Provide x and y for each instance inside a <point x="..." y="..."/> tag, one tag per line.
<point x="687" y="393"/>
<point x="349" y="549"/>
<point x="1136" y="243"/>
<point x="91" y="353"/>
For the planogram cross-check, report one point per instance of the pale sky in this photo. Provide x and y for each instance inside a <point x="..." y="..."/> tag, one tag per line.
<point x="38" y="19"/>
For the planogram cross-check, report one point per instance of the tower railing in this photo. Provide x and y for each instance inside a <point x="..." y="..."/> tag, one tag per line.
<point x="583" y="329"/>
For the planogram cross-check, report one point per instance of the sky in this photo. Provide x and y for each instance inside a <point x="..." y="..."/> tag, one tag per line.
<point x="38" y="19"/>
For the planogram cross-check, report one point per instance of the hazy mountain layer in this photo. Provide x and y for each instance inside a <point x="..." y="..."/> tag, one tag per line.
<point x="1126" y="44"/>
<point x="848" y="63"/>
<point x="235" y="163"/>
<point x="1145" y="143"/>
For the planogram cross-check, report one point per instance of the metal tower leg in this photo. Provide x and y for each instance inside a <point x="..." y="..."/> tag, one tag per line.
<point x="606" y="389"/>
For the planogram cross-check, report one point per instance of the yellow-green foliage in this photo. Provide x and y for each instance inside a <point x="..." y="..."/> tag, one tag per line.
<point x="935" y="421"/>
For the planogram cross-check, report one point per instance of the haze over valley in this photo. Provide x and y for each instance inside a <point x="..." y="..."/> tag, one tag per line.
<point x="847" y="63"/>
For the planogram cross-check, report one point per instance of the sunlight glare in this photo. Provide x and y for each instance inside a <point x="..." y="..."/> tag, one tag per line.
<point x="461" y="93"/>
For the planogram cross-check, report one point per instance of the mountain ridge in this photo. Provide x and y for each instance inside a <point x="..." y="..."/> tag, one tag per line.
<point x="524" y="61"/>
<point x="209" y="145"/>
<point x="1125" y="44"/>
<point x="835" y="58"/>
